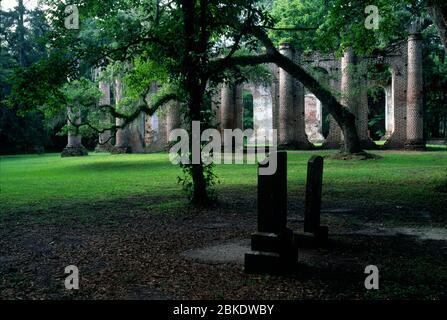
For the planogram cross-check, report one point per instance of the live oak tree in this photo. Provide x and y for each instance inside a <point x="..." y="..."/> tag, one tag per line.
<point x="188" y="46"/>
<point x="334" y="25"/>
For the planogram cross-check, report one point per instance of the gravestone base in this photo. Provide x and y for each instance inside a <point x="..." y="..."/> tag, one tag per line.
<point x="74" y="152"/>
<point x="318" y="239"/>
<point x="272" y="253"/>
<point x="120" y="150"/>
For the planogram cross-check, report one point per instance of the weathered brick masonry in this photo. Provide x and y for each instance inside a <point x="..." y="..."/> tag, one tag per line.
<point x="285" y="104"/>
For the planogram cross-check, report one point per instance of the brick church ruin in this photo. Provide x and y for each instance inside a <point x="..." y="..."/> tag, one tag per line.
<point x="284" y="104"/>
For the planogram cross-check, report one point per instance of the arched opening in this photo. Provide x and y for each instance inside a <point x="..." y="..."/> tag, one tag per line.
<point x="258" y="112"/>
<point x="247" y="115"/>
<point x="247" y="97"/>
<point x="380" y="103"/>
<point x="326" y="122"/>
<point x="376" y="114"/>
<point x="316" y="116"/>
<point x="151" y="129"/>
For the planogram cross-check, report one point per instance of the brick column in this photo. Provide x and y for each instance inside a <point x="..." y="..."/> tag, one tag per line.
<point x="415" y="112"/>
<point x="333" y="139"/>
<point x="173" y="117"/>
<point x="74" y="137"/>
<point x="74" y="146"/>
<point x="231" y="105"/>
<point x="238" y="107"/>
<point x="162" y="130"/>
<point x="286" y="113"/>
<point x="227" y="102"/>
<point x="121" y="139"/>
<point x="346" y="87"/>
<point x="399" y="96"/>
<point x="275" y="95"/>
<point x="301" y="140"/>
<point x="354" y="95"/>
<point x="362" y="111"/>
<point x="105" y="138"/>
<point x="151" y="133"/>
<point x="215" y="108"/>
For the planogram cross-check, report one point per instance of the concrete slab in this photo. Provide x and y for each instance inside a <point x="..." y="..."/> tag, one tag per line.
<point x="232" y="252"/>
<point x="439" y="234"/>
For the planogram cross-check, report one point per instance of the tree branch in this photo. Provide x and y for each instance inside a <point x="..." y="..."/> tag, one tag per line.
<point x="142" y="107"/>
<point x="290" y="29"/>
<point x="344" y="118"/>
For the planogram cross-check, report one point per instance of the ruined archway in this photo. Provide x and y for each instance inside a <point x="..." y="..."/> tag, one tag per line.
<point x="316" y="116"/>
<point x="259" y="99"/>
<point x="376" y="114"/>
<point x="247" y="97"/>
<point x="380" y="102"/>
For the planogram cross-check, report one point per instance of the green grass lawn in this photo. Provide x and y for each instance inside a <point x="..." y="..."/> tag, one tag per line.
<point x="34" y="183"/>
<point x="125" y="221"/>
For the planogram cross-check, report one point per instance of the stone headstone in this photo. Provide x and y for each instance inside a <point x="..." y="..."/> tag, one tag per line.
<point x="314" y="234"/>
<point x="273" y="247"/>
<point x="272" y="197"/>
<point x="313" y="194"/>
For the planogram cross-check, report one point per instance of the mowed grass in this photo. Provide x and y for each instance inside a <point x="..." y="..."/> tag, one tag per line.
<point x="33" y="183"/>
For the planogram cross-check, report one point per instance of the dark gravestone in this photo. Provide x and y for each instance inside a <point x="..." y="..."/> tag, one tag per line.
<point x="272" y="197"/>
<point x="273" y="247"/>
<point x="314" y="234"/>
<point x="313" y="194"/>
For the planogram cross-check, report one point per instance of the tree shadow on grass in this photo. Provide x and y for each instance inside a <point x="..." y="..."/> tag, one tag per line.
<point x="123" y="166"/>
<point x="436" y="148"/>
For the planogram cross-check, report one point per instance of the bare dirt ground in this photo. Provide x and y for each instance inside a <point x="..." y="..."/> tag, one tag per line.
<point x="124" y="252"/>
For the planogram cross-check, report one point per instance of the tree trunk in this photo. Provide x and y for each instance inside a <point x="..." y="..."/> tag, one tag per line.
<point x="194" y="83"/>
<point x="434" y="127"/>
<point x="21" y="33"/>
<point x="344" y="118"/>
<point x="199" y="192"/>
<point x="438" y="13"/>
<point x="74" y="146"/>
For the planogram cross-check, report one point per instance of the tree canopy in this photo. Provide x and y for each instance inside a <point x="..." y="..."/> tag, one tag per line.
<point x="188" y="47"/>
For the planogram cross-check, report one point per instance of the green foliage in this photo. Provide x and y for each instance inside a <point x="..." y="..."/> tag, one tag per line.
<point x="248" y="110"/>
<point x="22" y="134"/>
<point x="80" y="92"/>
<point x="143" y="74"/>
<point x="23" y="127"/>
<point x="376" y="112"/>
<point x="211" y="180"/>
<point x="379" y="73"/>
<point x="297" y="13"/>
<point x="435" y="82"/>
<point x="340" y="24"/>
<point x="38" y="84"/>
<point x="377" y="120"/>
